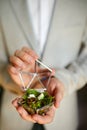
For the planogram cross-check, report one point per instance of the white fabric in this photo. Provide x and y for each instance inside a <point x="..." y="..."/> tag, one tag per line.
<point x="10" y="119"/>
<point x="40" y="12"/>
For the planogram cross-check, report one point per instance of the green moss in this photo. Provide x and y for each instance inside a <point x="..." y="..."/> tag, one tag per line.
<point x="32" y="104"/>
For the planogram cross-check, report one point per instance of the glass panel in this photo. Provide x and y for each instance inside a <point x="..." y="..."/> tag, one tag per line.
<point x="39" y="79"/>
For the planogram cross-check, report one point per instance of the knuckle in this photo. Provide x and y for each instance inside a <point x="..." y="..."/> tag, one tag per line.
<point x="17" y="61"/>
<point x="24" y="48"/>
<point x="22" y="54"/>
<point x="25" y="56"/>
<point x="16" y="52"/>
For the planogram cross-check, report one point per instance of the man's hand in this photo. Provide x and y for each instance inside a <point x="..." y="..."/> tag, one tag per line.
<point x="24" y="60"/>
<point x="35" y="118"/>
<point x="56" y="89"/>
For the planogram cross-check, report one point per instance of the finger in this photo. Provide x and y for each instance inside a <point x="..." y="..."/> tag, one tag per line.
<point x="56" y="89"/>
<point x="30" y="52"/>
<point x="15" y="103"/>
<point x="46" y="118"/>
<point x="23" y="113"/>
<point x="11" y="69"/>
<point x="17" y="62"/>
<point x="52" y="86"/>
<point x="58" y="96"/>
<point x="24" y="56"/>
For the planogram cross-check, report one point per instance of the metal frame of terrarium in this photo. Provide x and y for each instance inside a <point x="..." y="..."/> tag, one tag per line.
<point x="24" y="88"/>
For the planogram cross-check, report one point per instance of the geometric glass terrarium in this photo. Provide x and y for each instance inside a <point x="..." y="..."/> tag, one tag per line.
<point x="35" y="79"/>
<point x="36" y="99"/>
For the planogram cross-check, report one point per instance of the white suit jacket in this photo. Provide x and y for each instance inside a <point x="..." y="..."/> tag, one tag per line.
<point x="66" y="33"/>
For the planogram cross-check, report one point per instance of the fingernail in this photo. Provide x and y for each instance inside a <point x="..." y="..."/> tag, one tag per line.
<point x="57" y="105"/>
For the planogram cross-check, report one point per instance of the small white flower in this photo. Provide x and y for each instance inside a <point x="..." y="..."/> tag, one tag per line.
<point x="31" y="96"/>
<point x="41" y="96"/>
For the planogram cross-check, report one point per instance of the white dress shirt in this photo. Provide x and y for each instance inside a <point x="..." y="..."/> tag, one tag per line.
<point x="40" y="12"/>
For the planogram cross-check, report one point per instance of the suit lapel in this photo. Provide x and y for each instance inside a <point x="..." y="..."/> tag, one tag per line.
<point x="2" y="48"/>
<point x="51" y="36"/>
<point x="20" y="9"/>
<point x="65" y="32"/>
<point x="17" y="29"/>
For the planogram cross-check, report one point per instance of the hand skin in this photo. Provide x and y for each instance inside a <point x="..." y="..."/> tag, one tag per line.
<point x="25" y="58"/>
<point x="35" y="118"/>
<point x="56" y="89"/>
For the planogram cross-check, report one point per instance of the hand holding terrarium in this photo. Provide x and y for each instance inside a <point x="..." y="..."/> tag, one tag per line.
<point x="36" y="99"/>
<point x="42" y="92"/>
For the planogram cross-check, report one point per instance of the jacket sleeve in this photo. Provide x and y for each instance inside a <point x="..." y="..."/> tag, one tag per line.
<point x="5" y="80"/>
<point x="75" y="76"/>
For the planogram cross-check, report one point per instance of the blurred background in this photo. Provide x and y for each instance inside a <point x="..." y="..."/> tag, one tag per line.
<point x="82" y="108"/>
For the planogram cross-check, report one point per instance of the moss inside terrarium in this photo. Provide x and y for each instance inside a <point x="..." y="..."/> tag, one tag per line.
<point x="34" y="101"/>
